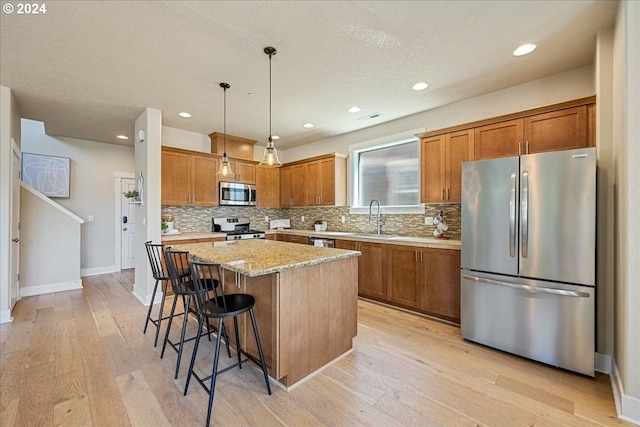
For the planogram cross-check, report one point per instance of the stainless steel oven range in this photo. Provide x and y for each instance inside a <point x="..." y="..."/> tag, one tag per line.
<point x="236" y="228"/>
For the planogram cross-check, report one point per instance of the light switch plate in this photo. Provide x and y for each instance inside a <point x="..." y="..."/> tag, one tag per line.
<point x="428" y="220"/>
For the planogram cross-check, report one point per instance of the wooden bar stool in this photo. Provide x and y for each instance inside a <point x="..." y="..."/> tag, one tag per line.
<point x="220" y="307"/>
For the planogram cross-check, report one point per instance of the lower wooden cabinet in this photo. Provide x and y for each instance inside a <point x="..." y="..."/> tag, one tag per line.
<point x="372" y="282"/>
<point x="404" y="274"/>
<point x="441" y="284"/>
<point x="420" y="279"/>
<point x="292" y="238"/>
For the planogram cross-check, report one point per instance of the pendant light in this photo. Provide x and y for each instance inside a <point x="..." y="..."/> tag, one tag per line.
<point x="225" y="167"/>
<point x="270" y="157"/>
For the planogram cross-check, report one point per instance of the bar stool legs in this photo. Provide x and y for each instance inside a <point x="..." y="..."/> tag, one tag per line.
<point x="214" y="371"/>
<point x="157" y="322"/>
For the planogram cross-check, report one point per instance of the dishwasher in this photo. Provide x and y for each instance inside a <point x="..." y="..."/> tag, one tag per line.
<point x="323" y="243"/>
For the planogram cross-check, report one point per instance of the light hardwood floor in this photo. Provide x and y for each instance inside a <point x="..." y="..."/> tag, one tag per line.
<point x="79" y="358"/>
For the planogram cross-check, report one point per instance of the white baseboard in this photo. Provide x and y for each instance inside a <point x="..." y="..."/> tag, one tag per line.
<point x="603" y="363"/>
<point x="50" y="288"/>
<point x="147" y="299"/>
<point x="628" y="407"/>
<point x="5" y="316"/>
<point x="98" y="270"/>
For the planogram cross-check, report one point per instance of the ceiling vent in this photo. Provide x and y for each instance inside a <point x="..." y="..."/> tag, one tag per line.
<point x="370" y="116"/>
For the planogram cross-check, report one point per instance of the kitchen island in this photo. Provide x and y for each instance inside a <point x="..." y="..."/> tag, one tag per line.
<point x="306" y="300"/>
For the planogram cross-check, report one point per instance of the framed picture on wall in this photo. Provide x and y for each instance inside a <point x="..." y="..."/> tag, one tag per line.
<point x="47" y="174"/>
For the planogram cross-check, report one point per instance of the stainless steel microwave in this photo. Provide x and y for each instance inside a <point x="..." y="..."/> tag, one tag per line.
<point x="235" y="193"/>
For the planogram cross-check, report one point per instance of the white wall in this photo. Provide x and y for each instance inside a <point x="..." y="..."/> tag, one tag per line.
<point x="179" y="138"/>
<point x="9" y="128"/>
<point x="562" y="87"/>
<point x="148" y="163"/>
<point x="91" y="188"/>
<point x="49" y="246"/>
<point x="626" y="135"/>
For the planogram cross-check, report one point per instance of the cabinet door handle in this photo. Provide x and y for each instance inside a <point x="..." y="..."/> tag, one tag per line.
<point x="442" y="197"/>
<point x="519" y="148"/>
<point x="448" y="195"/>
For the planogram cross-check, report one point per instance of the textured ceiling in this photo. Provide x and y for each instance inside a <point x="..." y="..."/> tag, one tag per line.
<point x="89" y="68"/>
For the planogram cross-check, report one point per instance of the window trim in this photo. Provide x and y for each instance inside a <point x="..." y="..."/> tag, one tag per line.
<point x="356" y="149"/>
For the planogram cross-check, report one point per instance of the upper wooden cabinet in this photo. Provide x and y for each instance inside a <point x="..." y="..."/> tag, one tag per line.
<point x="244" y="172"/>
<point x="188" y="179"/>
<point x="321" y="181"/>
<point x="557" y="130"/>
<point x="498" y="140"/>
<point x="441" y="159"/>
<point x="268" y="186"/>
<point x="555" y="127"/>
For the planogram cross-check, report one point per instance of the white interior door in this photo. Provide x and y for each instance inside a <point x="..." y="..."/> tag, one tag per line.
<point x="128" y="225"/>
<point x="14" y="263"/>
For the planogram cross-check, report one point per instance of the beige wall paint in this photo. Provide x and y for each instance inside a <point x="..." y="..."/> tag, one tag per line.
<point x="566" y="86"/>
<point x="605" y="187"/>
<point x="91" y="188"/>
<point x="148" y="163"/>
<point x="179" y="138"/>
<point x="9" y="128"/>
<point x="49" y="244"/>
<point x="627" y="202"/>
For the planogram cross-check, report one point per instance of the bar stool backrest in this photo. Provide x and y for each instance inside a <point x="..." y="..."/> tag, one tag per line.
<point x="155" y="252"/>
<point x="205" y="274"/>
<point x="178" y="269"/>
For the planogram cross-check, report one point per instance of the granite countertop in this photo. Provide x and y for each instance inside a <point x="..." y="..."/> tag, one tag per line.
<point x="257" y="257"/>
<point x="191" y="236"/>
<point x="425" y="242"/>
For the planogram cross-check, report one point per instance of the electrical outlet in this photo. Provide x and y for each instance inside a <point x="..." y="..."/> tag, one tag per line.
<point x="90" y="218"/>
<point x="302" y="218"/>
<point x="266" y="219"/>
<point x="428" y="220"/>
<point x="342" y="218"/>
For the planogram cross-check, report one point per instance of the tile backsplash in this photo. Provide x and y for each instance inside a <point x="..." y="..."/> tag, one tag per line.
<point x="193" y="218"/>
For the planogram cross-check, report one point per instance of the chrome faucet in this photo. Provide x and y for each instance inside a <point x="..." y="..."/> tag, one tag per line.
<point x="378" y="222"/>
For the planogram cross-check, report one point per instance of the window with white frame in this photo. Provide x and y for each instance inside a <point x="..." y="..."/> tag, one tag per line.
<point x="389" y="173"/>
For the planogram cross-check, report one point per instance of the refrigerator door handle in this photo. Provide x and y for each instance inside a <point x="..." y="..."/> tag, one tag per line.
<point x="524" y="215"/>
<point x="526" y="288"/>
<point x="512" y="215"/>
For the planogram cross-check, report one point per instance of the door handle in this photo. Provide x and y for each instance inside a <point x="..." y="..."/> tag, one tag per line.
<point x="124" y="228"/>
<point x="512" y="215"/>
<point x="524" y="215"/>
<point x="124" y="219"/>
<point x="15" y="240"/>
<point x="527" y="288"/>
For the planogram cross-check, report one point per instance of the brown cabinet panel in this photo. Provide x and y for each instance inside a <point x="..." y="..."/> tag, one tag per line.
<point x="286" y="186"/>
<point x="327" y="182"/>
<point x="441" y="290"/>
<point x="298" y="185"/>
<point x="244" y="172"/>
<point x="403" y="267"/>
<point x="312" y="183"/>
<point x="203" y="177"/>
<point x="459" y="148"/>
<point x="372" y="282"/>
<point x="175" y="178"/>
<point x="498" y="140"/>
<point x="268" y="186"/>
<point x="292" y="238"/>
<point x="558" y="130"/>
<point x="433" y="169"/>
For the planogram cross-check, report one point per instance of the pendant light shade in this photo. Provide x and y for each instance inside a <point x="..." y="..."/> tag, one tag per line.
<point x="270" y="156"/>
<point x="225" y="167"/>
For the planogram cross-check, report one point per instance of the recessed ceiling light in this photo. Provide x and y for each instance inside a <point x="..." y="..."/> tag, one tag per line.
<point x="420" y="86"/>
<point x="524" y="49"/>
<point x="275" y="137"/>
<point x="308" y="125"/>
<point x="355" y="109"/>
<point x="184" y="114"/>
<point x="122" y="137"/>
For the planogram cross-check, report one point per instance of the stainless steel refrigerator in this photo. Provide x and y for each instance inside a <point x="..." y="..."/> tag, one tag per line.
<point x="528" y="256"/>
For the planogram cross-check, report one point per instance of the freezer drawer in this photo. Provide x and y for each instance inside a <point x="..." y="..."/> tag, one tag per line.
<point x="549" y="322"/>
